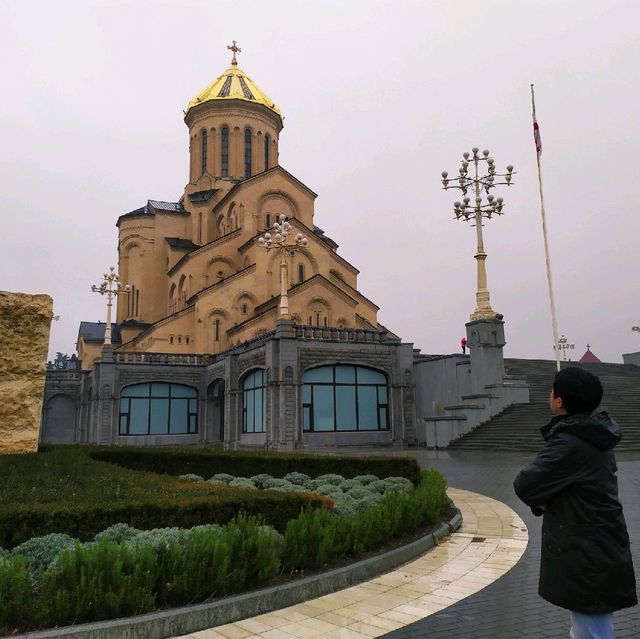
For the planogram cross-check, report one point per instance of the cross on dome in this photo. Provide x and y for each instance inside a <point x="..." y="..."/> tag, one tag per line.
<point x="235" y="49"/>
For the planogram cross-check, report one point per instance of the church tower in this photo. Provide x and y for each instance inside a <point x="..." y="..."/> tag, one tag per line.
<point x="200" y="282"/>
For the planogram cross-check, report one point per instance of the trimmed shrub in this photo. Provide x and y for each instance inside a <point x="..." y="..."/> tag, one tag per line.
<point x="365" y="480"/>
<point x="191" y="477"/>
<point x="359" y="493"/>
<point x="221" y="478"/>
<point x="242" y="482"/>
<point x="260" y="479"/>
<point x="205" y="462"/>
<point x="377" y="486"/>
<point x="330" y="490"/>
<point x="118" y="533"/>
<point x="316" y="538"/>
<point x="275" y="482"/>
<point x="347" y="484"/>
<point x="19" y="524"/>
<point x="297" y="478"/>
<point x="331" y="478"/>
<point x="41" y="552"/>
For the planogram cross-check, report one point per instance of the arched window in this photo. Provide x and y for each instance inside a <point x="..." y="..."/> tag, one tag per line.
<point x="224" y="151"/>
<point x="267" y="220"/>
<point x="254" y="403"/>
<point x="266" y="152"/>
<point x="216" y="330"/>
<point x="300" y="273"/>
<point x="344" y="398"/>
<point x="158" y="408"/>
<point x="203" y="159"/>
<point x="247" y="153"/>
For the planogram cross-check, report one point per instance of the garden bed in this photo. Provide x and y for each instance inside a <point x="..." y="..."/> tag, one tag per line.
<point x="122" y="571"/>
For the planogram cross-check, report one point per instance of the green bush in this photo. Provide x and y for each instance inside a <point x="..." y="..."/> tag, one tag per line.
<point x="317" y="537"/>
<point x="191" y="477"/>
<point x="221" y="478"/>
<point x="297" y="478"/>
<point x="118" y="533"/>
<point x="242" y="482"/>
<point x="206" y="462"/>
<point x="260" y="479"/>
<point x="16" y="599"/>
<point x="365" y="480"/>
<point x="101" y="580"/>
<point x="41" y="552"/>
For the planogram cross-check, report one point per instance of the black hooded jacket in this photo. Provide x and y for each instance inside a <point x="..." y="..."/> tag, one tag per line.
<point x="586" y="560"/>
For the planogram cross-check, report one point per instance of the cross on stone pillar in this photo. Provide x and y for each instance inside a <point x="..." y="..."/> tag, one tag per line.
<point x="235" y="49"/>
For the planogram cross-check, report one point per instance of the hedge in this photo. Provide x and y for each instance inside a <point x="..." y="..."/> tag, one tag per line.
<point x="17" y="524"/>
<point x="180" y="461"/>
<point x="118" y="575"/>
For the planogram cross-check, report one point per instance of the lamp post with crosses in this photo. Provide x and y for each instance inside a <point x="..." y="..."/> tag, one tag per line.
<point x="278" y="242"/>
<point x="111" y="286"/>
<point x="478" y="183"/>
<point x="564" y="346"/>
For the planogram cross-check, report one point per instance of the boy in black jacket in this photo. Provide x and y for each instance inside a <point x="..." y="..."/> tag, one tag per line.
<point x="586" y="562"/>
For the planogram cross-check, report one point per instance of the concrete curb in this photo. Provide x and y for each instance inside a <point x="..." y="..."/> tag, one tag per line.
<point x="182" y="621"/>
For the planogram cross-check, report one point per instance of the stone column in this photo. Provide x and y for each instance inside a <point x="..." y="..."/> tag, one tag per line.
<point x="25" y="321"/>
<point x="485" y="339"/>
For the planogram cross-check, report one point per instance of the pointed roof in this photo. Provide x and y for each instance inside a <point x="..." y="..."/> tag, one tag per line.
<point x="589" y="357"/>
<point x="234" y="84"/>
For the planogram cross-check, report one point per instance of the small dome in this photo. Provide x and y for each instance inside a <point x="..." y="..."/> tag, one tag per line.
<point x="234" y="84"/>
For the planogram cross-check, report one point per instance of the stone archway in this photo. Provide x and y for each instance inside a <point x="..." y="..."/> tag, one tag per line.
<point x="215" y="411"/>
<point x="59" y="420"/>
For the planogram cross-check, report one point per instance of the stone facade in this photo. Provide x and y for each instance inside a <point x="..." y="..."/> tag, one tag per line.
<point x="283" y="355"/>
<point x="25" y="322"/>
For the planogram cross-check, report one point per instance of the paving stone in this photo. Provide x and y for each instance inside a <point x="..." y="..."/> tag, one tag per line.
<point x="510" y="607"/>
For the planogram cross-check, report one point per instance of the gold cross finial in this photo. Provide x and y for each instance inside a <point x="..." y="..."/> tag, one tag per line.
<point x="235" y="49"/>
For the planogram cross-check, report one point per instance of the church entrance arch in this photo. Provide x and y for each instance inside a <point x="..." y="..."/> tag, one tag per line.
<point x="59" y="420"/>
<point x="215" y="411"/>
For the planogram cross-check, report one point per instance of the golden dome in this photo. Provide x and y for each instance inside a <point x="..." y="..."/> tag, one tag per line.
<point x="234" y="84"/>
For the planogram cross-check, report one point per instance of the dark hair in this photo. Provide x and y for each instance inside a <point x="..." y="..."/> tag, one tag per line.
<point x="580" y="390"/>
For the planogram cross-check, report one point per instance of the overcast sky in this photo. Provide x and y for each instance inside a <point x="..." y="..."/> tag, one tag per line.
<point x="379" y="97"/>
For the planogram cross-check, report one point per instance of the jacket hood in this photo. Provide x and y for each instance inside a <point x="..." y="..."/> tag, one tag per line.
<point x="597" y="428"/>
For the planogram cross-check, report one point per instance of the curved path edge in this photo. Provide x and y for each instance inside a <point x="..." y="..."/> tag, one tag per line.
<point x="188" y="619"/>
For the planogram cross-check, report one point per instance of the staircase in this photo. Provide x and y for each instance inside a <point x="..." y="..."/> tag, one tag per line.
<point x="518" y="427"/>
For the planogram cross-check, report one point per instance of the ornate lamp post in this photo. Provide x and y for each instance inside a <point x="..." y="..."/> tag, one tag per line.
<point x="111" y="286"/>
<point x="564" y="346"/>
<point x="278" y="241"/>
<point x="478" y="183"/>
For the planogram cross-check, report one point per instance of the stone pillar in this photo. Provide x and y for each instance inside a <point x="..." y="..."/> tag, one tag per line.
<point x="106" y="425"/>
<point x="485" y="339"/>
<point x="282" y="359"/>
<point x="25" y="321"/>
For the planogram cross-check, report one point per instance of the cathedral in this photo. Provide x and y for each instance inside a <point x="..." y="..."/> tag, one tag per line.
<point x="199" y="281"/>
<point x="240" y="324"/>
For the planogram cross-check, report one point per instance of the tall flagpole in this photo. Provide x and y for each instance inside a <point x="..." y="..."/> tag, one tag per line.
<point x="552" y="304"/>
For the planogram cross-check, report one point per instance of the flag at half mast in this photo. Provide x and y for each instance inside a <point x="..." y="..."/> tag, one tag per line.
<point x="536" y="135"/>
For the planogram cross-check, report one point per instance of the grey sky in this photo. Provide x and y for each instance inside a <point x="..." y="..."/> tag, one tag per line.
<point x="378" y="97"/>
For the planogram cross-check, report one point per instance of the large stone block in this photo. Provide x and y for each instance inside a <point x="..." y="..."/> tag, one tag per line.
<point x="25" y="321"/>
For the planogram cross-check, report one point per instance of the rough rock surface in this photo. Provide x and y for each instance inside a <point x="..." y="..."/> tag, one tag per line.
<point x="25" y="321"/>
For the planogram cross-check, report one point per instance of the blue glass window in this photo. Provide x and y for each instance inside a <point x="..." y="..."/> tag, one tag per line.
<point x="344" y="398"/>
<point x="158" y="408"/>
<point x="254" y="403"/>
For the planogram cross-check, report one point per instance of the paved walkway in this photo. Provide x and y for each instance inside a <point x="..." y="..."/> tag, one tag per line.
<point x="489" y="543"/>
<point x="507" y="608"/>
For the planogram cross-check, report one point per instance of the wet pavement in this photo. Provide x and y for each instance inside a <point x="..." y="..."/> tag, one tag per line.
<point x="510" y="608"/>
